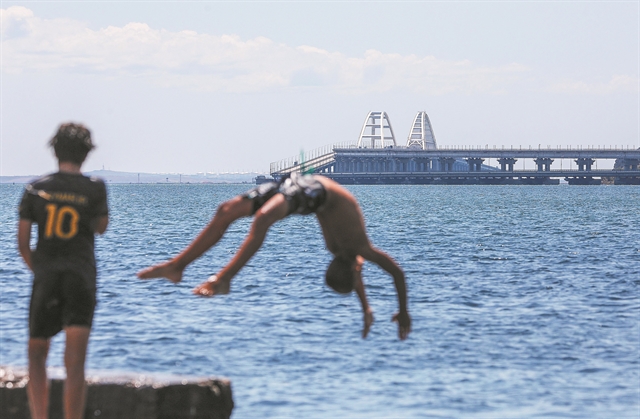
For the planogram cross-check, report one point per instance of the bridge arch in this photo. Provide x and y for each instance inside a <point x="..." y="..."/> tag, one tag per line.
<point x="376" y="131"/>
<point x="421" y="134"/>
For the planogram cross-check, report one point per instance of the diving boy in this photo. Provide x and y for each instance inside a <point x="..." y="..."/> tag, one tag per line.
<point x="342" y="226"/>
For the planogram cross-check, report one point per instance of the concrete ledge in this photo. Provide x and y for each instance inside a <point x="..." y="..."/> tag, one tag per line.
<point x="124" y="396"/>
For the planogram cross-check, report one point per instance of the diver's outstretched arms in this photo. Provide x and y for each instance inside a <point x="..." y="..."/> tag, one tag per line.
<point x="169" y="270"/>
<point x="385" y="262"/>
<point x="212" y="286"/>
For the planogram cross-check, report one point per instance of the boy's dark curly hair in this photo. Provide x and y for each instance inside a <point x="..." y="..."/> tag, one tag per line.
<point x="339" y="275"/>
<point x="72" y="143"/>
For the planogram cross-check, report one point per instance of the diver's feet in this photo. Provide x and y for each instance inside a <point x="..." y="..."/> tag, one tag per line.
<point x="167" y="270"/>
<point x="212" y="286"/>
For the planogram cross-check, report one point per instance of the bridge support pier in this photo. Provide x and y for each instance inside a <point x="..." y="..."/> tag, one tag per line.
<point x="627" y="165"/>
<point x="475" y="164"/>
<point x="544" y="164"/>
<point x="421" y="165"/>
<point x="507" y="163"/>
<point x="446" y="164"/>
<point x="584" y="163"/>
<point x="630" y="164"/>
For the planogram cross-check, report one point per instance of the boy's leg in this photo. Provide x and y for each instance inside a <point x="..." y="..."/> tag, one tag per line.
<point x="38" y="388"/>
<point x="275" y="209"/>
<point x="75" y="353"/>
<point x="226" y="214"/>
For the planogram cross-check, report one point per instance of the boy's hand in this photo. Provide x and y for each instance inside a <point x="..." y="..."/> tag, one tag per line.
<point x="368" y="321"/>
<point x="404" y="324"/>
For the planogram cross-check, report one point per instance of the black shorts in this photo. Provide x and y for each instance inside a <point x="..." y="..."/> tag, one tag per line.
<point x="303" y="193"/>
<point x="261" y="194"/>
<point x="60" y="299"/>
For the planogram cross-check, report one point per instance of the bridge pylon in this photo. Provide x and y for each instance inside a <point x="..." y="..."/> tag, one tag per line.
<point x="421" y="134"/>
<point x="376" y="131"/>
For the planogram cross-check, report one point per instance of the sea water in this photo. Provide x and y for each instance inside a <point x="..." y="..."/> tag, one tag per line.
<point x="524" y="302"/>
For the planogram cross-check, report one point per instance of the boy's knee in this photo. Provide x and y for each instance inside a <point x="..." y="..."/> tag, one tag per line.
<point x="224" y="209"/>
<point x="232" y="209"/>
<point x="38" y="350"/>
<point x="262" y="221"/>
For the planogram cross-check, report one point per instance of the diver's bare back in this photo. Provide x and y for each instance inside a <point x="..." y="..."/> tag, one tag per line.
<point x="341" y="221"/>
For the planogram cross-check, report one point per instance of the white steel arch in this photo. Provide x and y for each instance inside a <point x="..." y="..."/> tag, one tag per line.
<point x="421" y="134"/>
<point x="376" y="131"/>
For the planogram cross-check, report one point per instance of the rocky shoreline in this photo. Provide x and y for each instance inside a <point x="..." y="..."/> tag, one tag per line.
<point x="125" y="395"/>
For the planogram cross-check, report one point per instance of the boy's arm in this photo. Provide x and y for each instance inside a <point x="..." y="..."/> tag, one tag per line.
<point x="100" y="224"/>
<point x="359" y="287"/>
<point x="24" y="238"/>
<point x="385" y="262"/>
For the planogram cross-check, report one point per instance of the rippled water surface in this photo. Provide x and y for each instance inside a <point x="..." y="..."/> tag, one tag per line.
<point x="524" y="302"/>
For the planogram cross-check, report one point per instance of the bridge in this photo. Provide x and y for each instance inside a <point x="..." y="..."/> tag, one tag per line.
<point x="376" y="158"/>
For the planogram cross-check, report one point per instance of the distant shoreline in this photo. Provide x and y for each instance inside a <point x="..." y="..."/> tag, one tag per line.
<point x="115" y="177"/>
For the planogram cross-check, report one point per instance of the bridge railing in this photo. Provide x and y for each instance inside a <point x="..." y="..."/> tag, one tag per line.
<point x="540" y="147"/>
<point x="313" y="159"/>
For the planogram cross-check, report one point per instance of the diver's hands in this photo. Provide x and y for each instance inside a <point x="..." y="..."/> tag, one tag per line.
<point x="368" y="321"/>
<point x="212" y="286"/>
<point x="404" y="324"/>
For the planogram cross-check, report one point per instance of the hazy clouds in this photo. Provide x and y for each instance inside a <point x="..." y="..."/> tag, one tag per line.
<point x="227" y="63"/>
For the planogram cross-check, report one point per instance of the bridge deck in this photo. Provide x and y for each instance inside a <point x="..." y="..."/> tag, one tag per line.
<point x="490" y="153"/>
<point x="496" y="174"/>
<point x="410" y="165"/>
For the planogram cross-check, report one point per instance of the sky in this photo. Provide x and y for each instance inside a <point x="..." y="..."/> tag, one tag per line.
<point x="217" y="86"/>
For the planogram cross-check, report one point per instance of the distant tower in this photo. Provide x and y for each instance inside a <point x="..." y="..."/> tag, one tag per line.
<point x="376" y="131"/>
<point x="421" y="134"/>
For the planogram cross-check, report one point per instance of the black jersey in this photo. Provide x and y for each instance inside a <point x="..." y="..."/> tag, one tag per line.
<point x="64" y="205"/>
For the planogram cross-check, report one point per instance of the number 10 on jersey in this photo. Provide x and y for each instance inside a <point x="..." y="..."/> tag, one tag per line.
<point x="56" y="222"/>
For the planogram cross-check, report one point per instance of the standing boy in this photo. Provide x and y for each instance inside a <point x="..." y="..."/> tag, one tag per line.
<point x="69" y="209"/>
